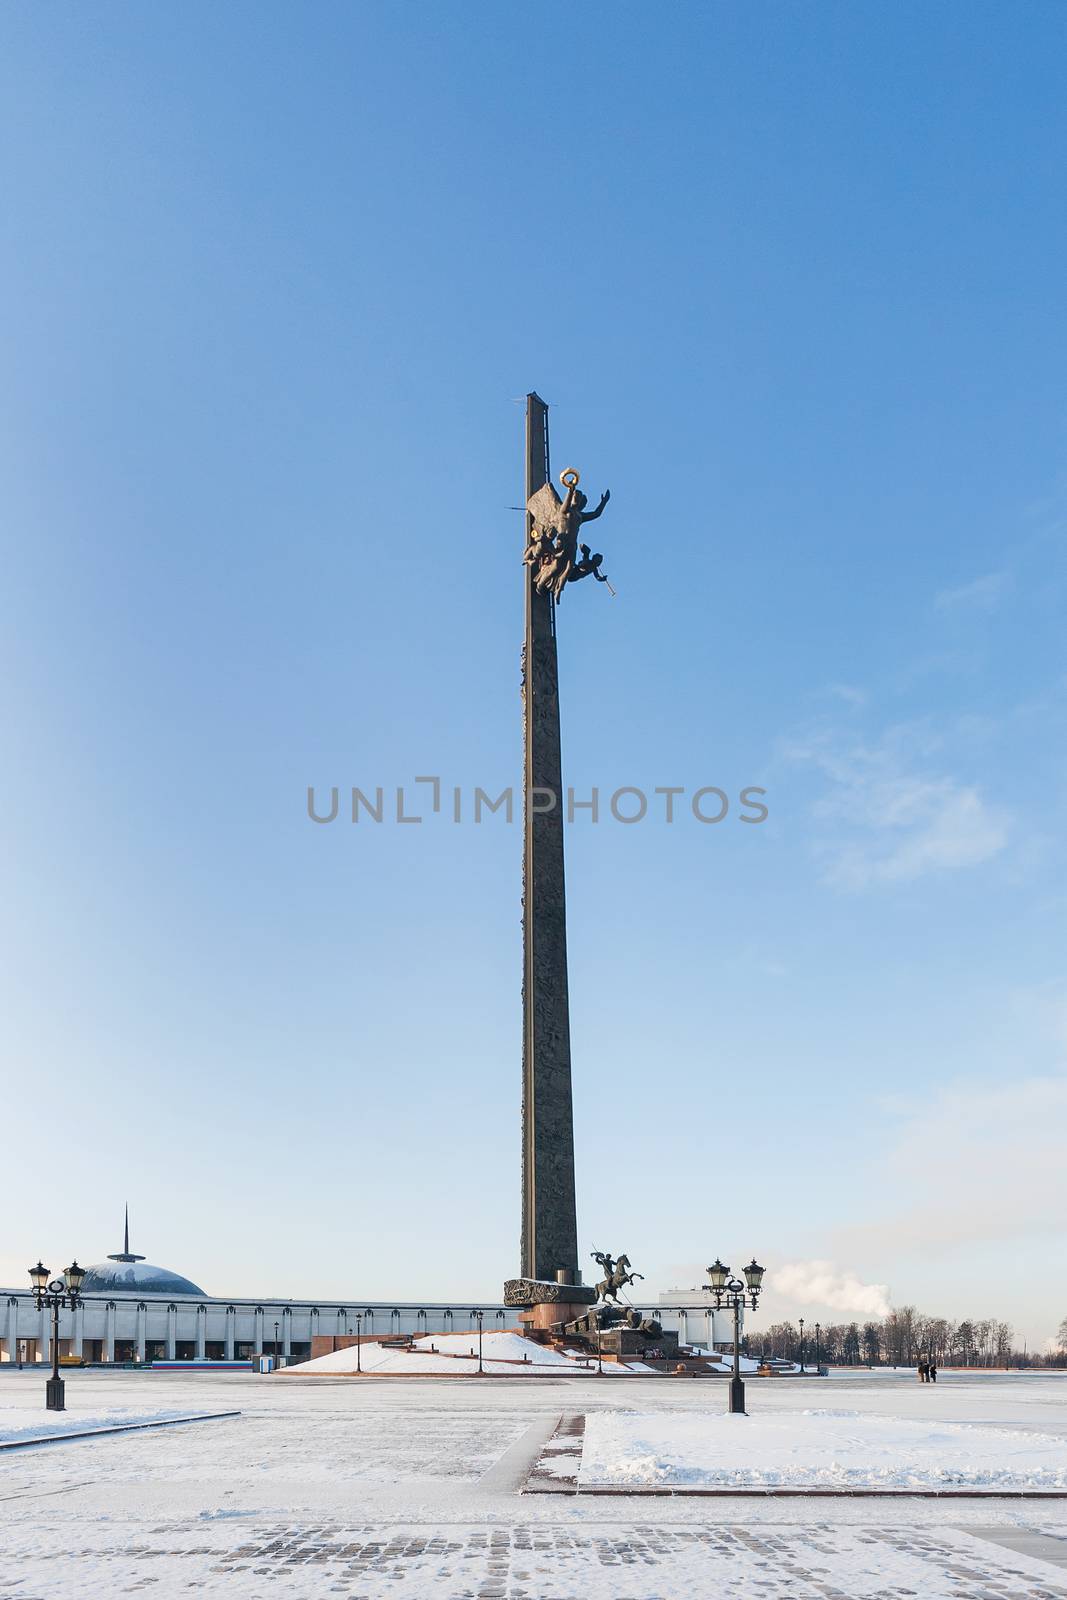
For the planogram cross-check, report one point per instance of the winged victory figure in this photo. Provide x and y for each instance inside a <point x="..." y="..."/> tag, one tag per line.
<point x="552" y="551"/>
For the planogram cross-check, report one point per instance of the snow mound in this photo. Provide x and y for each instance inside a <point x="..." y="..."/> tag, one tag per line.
<point x="724" y="1363"/>
<point x="456" y="1353"/>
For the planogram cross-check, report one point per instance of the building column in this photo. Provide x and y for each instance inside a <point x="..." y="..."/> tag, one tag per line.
<point x="77" y="1343"/>
<point x="172" y="1333"/>
<point x="12" y="1335"/>
<point x="259" y="1330"/>
<point x="142" y="1319"/>
<point x="231" y="1318"/>
<point x="109" y="1331"/>
<point x="287" y="1332"/>
<point x="683" y="1318"/>
<point x="201" y="1332"/>
<point x="44" y="1340"/>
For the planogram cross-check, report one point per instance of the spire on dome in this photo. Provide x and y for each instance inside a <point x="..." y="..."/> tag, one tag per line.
<point x="124" y="1253"/>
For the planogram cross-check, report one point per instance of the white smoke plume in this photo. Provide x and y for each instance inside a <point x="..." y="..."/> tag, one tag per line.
<point x="821" y="1283"/>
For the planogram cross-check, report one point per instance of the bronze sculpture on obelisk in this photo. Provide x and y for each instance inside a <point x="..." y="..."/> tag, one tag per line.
<point x="550" y="1283"/>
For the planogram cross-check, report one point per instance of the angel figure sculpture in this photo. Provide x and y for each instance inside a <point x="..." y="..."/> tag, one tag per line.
<point x="552" y="551"/>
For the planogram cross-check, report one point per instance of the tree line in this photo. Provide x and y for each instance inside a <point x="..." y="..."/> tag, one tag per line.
<point x="899" y="1339"/>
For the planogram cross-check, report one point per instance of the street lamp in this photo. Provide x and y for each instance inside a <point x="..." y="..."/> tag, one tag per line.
<point x="718" y="1275"/>
<point x="277" y="1347"/>
<point x="802" y="1344"/>
<point x="731" y="1294"/>
<point x="818" y="1349"/>
<point x="57" y="1293"/>
<point x="480" y="1315"/>
<point x="359" y="1341"/>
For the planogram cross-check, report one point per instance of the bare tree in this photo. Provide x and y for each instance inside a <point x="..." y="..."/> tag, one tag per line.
<point x="904" y="1334"/>
<point x="1003" y="1333"/>
<point x="780" y="1340"/>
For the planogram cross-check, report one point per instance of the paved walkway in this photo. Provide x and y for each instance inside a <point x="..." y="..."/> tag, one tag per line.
<point x="613" y="1561"/>
<point x="375" y="1492"/>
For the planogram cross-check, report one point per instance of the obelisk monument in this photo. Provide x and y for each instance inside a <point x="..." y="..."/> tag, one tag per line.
<point x="549" y="1224"/>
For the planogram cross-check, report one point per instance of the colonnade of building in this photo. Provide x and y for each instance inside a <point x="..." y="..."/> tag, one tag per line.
<point x="123" y="1328"/>
<point x="130" y="1328"/>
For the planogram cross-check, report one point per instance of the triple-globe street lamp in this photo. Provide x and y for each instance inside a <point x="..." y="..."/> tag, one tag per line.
<point x="57" y="1293"/>
<point x="731" y="1294"/>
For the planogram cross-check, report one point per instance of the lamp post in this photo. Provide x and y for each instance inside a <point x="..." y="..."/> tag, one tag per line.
<point x="802" y="1344"/>
<point x="818" y="1349"/>
<point x="359" y="1341"/>
<point x="731" y="1294"/>
<point x="480" y="1315"/>
<point x="59" y="1292"/>
<point x="277" y="1348"/>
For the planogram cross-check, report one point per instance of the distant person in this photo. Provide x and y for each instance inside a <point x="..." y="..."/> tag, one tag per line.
<point x="931" y="1371"/>
<point x="924" y="1370"/>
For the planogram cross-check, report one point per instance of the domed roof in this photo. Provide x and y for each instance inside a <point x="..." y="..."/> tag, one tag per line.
<point x="132" y="1274"/>
<point x="137" y="1276"/>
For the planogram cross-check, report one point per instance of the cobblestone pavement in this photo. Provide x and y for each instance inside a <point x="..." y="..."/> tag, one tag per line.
<point x="640" y="1561"/>
<point x="378" y="1492"/>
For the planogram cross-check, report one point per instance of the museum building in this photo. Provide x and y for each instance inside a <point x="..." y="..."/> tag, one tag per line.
<point x="134" y="1312"/>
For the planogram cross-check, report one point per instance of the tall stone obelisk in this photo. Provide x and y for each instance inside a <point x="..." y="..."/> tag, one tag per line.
<point x="549" y="1224"/>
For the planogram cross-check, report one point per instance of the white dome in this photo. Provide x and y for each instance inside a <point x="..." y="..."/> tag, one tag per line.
<point x="135" y="1277"/>
<point x="127" y="1273"/>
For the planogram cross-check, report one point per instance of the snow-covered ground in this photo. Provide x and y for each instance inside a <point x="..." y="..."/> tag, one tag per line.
<point x="825" y="1449"/>
<point x="456" y="1354"/>
<point x="376" y="1489"/>
<point x="34" y="1422"/>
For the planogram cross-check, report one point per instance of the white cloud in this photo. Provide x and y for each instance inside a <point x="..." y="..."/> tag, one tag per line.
<point x="896" y="818"/>
<point x="938" y="827"/>
<point x="981" y="595"/>
<point x="821" y="1283"/>
<point x="849" y="693"/>
<point x="970" y="1179"/>
<point x="977" y="1163"/>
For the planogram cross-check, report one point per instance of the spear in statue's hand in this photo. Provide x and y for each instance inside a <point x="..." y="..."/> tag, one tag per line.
<point x="589" y="567"/>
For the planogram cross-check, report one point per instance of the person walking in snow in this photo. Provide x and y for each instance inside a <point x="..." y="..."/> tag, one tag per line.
<point x="923" y="1369"/>
<point x="931" y="1371"/>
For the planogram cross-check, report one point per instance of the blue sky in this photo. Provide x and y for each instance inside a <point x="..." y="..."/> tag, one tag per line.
<point x="272" y="282"/>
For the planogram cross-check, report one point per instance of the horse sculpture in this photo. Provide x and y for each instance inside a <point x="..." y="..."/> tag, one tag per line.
<point x="616" y="1275"/>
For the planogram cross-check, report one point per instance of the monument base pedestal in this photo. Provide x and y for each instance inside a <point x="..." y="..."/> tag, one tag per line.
<point x="551" y="1313"/>
<point x="633" y="1342"/>
<point x="546" y="1305"/>
<point x="542" y="1291"/>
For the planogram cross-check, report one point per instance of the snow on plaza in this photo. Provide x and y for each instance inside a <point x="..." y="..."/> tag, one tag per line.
<point x="331" y="1484"/>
